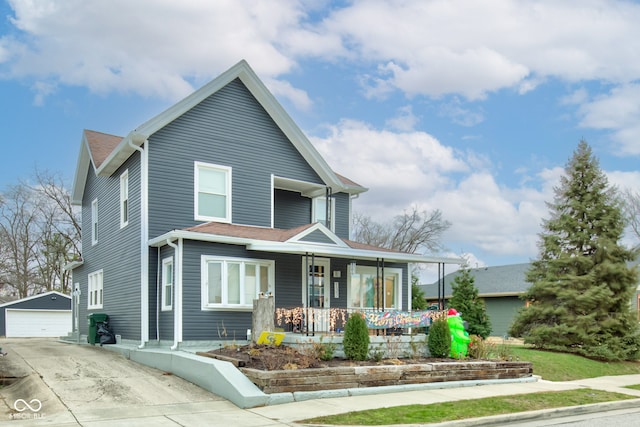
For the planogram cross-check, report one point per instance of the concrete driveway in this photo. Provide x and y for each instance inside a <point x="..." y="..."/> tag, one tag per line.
<point x="69" y="385"/>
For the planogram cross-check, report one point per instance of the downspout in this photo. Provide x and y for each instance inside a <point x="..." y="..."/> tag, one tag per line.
<point x="158" y="290"/>
<point x="144" y="238"/>
<point x="177" y="292"/>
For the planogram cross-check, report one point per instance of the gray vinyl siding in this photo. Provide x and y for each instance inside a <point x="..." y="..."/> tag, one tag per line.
<point x="343" y="215"/>
<point x="160" y="322"/>
<point x="117" y="252"/>
<point x="317" y="237"/>
<point x="201" y="324"/>
<point x="229" y="128"/>
<point x="291" y="209"/>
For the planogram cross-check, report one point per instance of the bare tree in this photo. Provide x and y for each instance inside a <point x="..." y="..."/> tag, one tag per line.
<point x="632" y="210"/>
<point x="20" y="241"/>
<point x="411" y="232"/>
<point x="39" y="234"/>
<point x="60" y="228"/>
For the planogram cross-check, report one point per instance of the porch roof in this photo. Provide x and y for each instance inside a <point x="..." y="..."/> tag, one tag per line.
<point x="293" y="241"/>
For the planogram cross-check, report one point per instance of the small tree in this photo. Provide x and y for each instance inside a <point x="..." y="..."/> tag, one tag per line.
<point x="439" y="339"/>
<point x="464" y="299"/>
<point x="356" y="338"/>
<point x="418" y="302"/>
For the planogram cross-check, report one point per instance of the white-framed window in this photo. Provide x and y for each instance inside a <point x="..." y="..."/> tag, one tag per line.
<point x="319" y="211"/>
<point x="167" y="284"/>
<point x="94" y="299"/>
<point x="367" y="290"/>
<point x="124" y="199"/>
<point x="212" y="196"/>
<point x="233" y="283"/>
<point x="94" y="221"/>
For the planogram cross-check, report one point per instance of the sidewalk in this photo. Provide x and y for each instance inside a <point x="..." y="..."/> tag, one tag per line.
<point x="289" y="413"/>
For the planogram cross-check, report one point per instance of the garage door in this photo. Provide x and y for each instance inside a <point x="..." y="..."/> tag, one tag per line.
<point x="37" y="323"/>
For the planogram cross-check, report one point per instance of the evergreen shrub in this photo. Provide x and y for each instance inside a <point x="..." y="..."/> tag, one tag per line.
<point x="439" y="339"/>
<point x="356" y="338"/>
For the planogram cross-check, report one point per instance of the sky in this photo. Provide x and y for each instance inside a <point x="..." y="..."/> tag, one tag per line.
<point x="472" y="107"/>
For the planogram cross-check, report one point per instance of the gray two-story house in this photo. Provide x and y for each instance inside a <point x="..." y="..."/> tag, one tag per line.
<point x="211" y="204"/>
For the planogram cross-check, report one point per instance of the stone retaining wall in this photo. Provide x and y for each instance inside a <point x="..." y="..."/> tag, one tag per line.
<point x="384" y="375"/>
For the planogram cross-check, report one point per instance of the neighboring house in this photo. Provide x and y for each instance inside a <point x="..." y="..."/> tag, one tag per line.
<point x="43" y="315"/>
<point x="218" y="200"/>
<point x="499" y="287"/>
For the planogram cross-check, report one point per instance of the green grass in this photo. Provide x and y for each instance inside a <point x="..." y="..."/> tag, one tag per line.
<point x="633" y="387"/>
<point x="553" y="366"/>
<point x="550" y="366"/>
<point x="462" y="409"/>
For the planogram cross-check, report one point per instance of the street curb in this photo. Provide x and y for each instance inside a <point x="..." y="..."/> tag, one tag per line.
<point x="542" y="414"/>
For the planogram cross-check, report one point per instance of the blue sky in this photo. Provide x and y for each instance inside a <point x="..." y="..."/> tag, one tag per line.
<point x="468" y="106"/>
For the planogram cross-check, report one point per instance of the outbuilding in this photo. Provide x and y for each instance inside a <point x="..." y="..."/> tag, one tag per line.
<point x="42" y="315"/>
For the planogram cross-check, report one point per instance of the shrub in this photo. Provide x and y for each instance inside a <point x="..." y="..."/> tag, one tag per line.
<point x="356" y="338"/>
<point x="439" y="340"/>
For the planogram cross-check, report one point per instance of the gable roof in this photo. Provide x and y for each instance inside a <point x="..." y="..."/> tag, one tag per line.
<point x="32" y="297"/>
<point x="504" y="280"/>
<point x="309" y="238"/>
<point x="114" y="151"/>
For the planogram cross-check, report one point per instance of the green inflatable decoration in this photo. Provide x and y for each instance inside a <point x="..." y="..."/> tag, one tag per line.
<point x="459" y="337"/>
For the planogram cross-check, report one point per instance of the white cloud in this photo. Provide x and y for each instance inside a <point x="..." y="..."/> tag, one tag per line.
<point x="404" y="121"/>
<point x="414" y="168"/>
<point x="150" y="48"/>
<point x="619" y="112"/>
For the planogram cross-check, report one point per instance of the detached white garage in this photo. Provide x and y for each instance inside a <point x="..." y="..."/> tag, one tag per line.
<point x="43" y="315"/>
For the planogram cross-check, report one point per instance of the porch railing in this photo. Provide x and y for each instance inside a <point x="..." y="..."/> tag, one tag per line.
<point x="309" y="320"/>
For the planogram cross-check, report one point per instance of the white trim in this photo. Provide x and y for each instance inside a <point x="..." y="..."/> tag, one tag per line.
<point x="303" y="248"/>
<point x="197" y="167"/>
<point x="324" y="262"/>
<point x="166" y="262"/>
<point x="95" y="285"/>
<point x="299" y="238"/>
<point x="125" y="209"/>
<point x="95" y="226"/>
<point x="332" y="213"/>
<point x="224" y="265"/>
<point x="369" y="269"/>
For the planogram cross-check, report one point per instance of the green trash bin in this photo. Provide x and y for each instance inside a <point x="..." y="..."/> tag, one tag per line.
<point x="94" y="319"/>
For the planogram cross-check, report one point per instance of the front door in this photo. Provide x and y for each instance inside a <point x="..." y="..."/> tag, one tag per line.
<point x="316" y="291"/>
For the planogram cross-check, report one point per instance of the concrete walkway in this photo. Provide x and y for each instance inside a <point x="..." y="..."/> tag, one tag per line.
<point x="80" y="385"/>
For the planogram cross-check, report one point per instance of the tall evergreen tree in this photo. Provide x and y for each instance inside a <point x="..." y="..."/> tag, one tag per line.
<point x="582" y="285"/>
<point x="464" y="299"/>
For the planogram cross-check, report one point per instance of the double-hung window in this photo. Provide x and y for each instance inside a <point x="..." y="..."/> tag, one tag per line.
<point x="124" y="199"/>
<point x="320" y="213"/>
<point x="235" y="282"/>
<point x="368" y="290"/>
<point x="167" y="284"/>
<point x="94" y="299"/>
<point x="212" y="192"/>
<point x="94" y="222"/>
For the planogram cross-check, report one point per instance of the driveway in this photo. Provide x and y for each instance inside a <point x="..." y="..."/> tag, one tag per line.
<point x="69" y="385"/>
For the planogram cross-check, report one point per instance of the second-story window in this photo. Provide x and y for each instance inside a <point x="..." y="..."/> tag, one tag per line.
<point x="124" y="199"/>
<point x="212" y="192"/>
<point x="94" y="221"/>
<point x="319" y="211"/>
